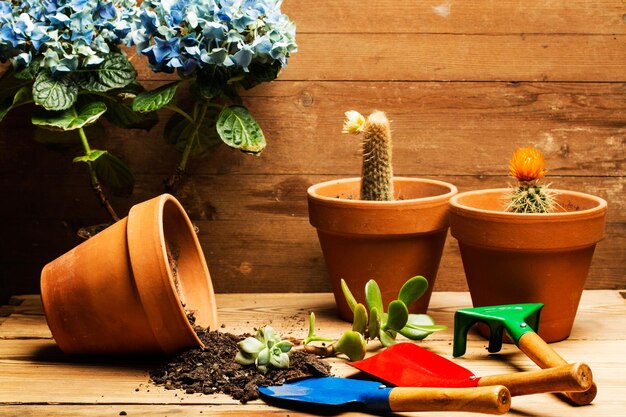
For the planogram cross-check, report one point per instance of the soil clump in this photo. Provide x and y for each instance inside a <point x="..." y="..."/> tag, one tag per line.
<point x="213" y="369"/>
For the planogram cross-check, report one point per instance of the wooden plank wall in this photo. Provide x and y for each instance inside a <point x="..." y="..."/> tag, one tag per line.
<point x="464" y="83"/>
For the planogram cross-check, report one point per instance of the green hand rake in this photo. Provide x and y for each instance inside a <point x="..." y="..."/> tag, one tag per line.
<point x="519" y="321"/>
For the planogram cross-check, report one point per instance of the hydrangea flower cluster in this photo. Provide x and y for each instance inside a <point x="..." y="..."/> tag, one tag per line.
<point x="63" y="35"/>
<point x="190" y="35"/>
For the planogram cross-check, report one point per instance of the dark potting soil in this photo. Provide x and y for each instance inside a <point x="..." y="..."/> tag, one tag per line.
<point x="213" y="369"/>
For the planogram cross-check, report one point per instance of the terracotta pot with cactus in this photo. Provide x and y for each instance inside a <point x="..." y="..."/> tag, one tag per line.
<point x="528" y="243"/>
<point x="379" y="226"/>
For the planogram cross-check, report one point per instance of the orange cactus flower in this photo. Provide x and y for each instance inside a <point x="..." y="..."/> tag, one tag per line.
<point x="527" y="164"/>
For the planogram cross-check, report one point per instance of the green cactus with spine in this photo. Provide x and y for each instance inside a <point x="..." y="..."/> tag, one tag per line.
<point x="527" y="166"/>
<point x="377" y="171"/>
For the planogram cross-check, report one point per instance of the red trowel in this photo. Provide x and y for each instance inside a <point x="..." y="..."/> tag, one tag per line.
<point x="408" y="365"/>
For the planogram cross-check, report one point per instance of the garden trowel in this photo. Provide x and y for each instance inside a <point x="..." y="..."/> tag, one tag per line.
<point x="408" y="365"/>
<point x="519" y="321"/>
<point x="331" y="394"/>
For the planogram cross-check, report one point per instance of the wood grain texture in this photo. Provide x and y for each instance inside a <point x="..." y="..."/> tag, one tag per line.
<point x="464" y="84"/>
<point x="462" y="17"/>
<point x="30" y="366"/>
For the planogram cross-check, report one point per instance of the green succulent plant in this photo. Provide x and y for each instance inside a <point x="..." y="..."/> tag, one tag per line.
<point x="379" y="324"/>
<point x="264" y="350"/>
<point x="351" y="343"/>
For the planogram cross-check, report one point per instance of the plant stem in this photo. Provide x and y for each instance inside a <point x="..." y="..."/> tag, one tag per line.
<point x="172" y="183"/>
<point x="95" y="182"/>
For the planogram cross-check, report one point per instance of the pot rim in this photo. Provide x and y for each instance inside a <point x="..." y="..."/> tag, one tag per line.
<point x="312" y="192"/>
<point x="157" y="278"/>
<point x="465" y="209"/>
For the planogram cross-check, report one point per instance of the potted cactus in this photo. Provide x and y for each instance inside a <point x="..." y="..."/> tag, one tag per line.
<point x="379" y="226"/>
<point x="528" y="243"/>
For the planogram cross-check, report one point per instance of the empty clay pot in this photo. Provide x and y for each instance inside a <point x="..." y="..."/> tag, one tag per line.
<point x="389" y="241"/>
<point x="528" y="258"/>
<point x="128" y="289"/>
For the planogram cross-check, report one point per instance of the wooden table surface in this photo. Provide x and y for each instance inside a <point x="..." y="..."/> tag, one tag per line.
<point x="37" y="379"/>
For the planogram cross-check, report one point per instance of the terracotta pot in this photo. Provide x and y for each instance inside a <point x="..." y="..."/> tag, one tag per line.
<point x="116" y="293"/>
<point x="389" y="241"/>
<point x="527" y="258"/>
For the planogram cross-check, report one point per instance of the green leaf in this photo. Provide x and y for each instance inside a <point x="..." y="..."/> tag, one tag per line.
<point x="359" y="324"/>
<point x="413" y="289"/>
<point x="420" y="320"/>
<point x="352" y="344"/>
<point x="373" y="296"/>
<point x="114" y="174"/>
<point x="387" y="338"/>
<point x="419" y="326"/>
<point x="374" y="325"/>
<point x="115" y="72"/>
<point x="23" y="96"/>
<point x="397" y="317"/>
<point x="62" y="138"/>
<point x="238" y="129"/>
<point x="58" y="93"/>
<point x="251" y="345"/>
<point x="29" y="72"/>
<point x="348" y="294"/>
<point x="69" y="119"/>
<point x="92" y="156"/>
<point x="178" y="130"/>
<point x="119" y="108"/>
<point x="149" y="101"/>
<point x="260" y="73"/>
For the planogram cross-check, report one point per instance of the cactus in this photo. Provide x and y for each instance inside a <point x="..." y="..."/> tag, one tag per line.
<point x="527" y="166"/>
<point x="377" y="172"/>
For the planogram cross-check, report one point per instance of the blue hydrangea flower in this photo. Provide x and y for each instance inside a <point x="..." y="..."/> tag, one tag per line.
<point x="235" y="35"/>
<point x="63" y="35"/>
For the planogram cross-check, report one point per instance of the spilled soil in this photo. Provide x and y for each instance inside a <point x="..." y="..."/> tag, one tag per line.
<point x="213" y="369"/>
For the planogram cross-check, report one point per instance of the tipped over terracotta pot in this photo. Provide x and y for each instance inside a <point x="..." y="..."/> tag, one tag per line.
<point x="130" y="288"/>
<point x="388" y="241"/>
<point x="512" y="258"/>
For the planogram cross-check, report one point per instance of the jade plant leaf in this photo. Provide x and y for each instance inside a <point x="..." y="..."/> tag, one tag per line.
<point x="397" y="316"/>
<point x="69" y="119"/>
<point x="373" y="297"/>
<point x="348" y="295"/>
<point x="387" y="337"/>
<point x="238" y="129"/>
<point x="149" y="101"/>
<point x="58" y="93"/>
<point x="359" y="324"/>
<point x="413" y="289"/>
<point x="352" y="344"/>
<point x="419" y="326"/>
<point x="374" y="324"/>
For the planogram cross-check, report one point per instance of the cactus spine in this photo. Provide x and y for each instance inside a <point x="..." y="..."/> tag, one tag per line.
<point x="377" y="171"/>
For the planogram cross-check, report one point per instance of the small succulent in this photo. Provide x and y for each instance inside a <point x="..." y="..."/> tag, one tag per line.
<point x="386" y="325"/>
<point x="527" y="166"/>
<point x="265" y="350"/>
<point x="351" y="343"/>
<point x="381" y="325"/>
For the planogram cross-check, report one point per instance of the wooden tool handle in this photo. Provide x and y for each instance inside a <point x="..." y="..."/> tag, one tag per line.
<point x="571" y="377"/>
<point x="490" y="400"/>
<point x="543" y="355"/>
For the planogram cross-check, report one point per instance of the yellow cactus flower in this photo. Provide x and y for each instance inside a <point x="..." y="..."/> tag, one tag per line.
<point x="527" y="164"/>
<point x="354" y="122"/>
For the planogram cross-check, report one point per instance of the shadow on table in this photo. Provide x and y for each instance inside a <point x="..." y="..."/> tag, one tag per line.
<point x="51" y="354"/>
